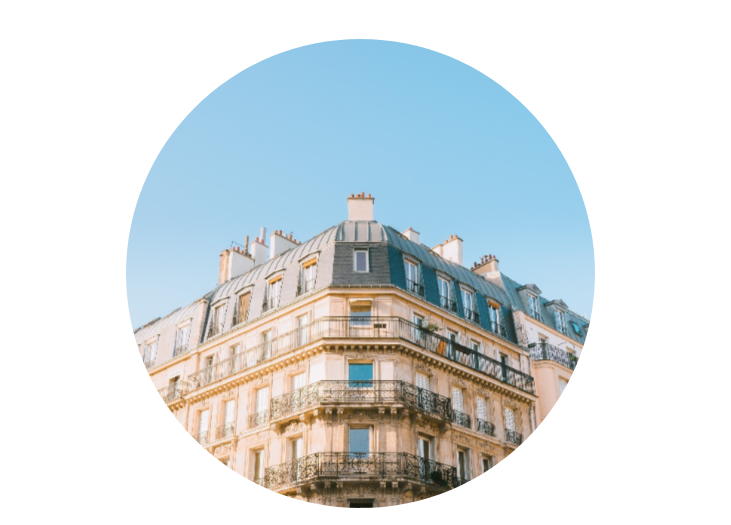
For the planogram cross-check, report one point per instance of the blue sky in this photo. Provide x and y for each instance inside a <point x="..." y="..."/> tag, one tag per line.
<point x="441" y="147"/>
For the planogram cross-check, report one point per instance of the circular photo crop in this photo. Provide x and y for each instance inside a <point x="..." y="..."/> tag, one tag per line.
<point x="360" y="264"/>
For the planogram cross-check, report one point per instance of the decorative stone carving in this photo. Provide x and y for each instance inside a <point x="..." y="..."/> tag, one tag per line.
<point x="461" y="438"/>
<point x="424" y="368"/>
<point x="294" y="426"/>
<point x="427" y="426"/>
<point x="360" y="490"/>
<point x="221" y="450"/>
<point x="361" y="415"/>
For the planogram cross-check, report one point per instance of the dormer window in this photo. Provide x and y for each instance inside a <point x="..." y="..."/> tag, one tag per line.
<point x="360" y="260"/>
<point x="560" y="321"/>
<point x="412" y="277"/>
<point x="274" y="290"/>
<point x="242" y="308"/>
<point x="307" y="276"/>
<point x="468" y="304"/>
<point x="445" y="294"/>
<point x="150" y="355"/>
<point x="181" y="340"/>
<point x="494" y="313"/>
<point x="533" y="306"/>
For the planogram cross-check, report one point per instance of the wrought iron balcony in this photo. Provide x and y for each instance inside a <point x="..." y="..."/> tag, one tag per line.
<point x="306" y="286"/>
<point x="498" y="328"/>
<point x="149" y="363"/>
<point x="548" y="352"/>
<point x="258" y="418"/>
<point x="485" y="427"/>
<point x="215" y="329"/>
<point x="471" y="315"/>
<point x="203" y="437"/>
<point x="180" y="349"/>
<point x="226" y="430"/>
<point x="174" y="391"/>
<point x="414" y="287"/>
<point x="511" y="436"/>
<point x="359" y="327"/>
<point x="270" y="304"/>
<point x="361" y="393"/>
<point x="360" y="466"/>
<point x="447" y="303"/>
<point x="462" y="419"/>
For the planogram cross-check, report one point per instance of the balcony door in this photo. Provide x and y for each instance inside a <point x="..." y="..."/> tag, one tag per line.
<point x="298" y="382"/>
<point x="298" y="447"/>
<point x="425" y="457"/>
<point x="302" y="322"/>
<point x="205" y="418"/>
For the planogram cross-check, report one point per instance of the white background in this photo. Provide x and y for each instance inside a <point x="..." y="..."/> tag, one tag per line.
<point x="635" y="94"/>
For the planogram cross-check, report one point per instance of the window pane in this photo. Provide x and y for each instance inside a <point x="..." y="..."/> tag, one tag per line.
<point x="360" y="372"/>
<point x="361" y="261"/>
<point x="359" y="440"/>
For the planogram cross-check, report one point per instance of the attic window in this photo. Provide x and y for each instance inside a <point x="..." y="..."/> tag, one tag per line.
<point x="360" y="260"/>
<point x="576" y="328"/>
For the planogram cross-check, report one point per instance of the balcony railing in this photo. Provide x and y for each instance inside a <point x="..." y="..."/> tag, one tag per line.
<point x="306" y="286"/>
<point x="174" y="391"/>
<point x="498" y="328"/>
<point x="462" y="419"/>
<point x="203" y="437"/>
<point x="214" y="329"/>
<point x="258" y="418"/>
<point x="226" y="430"/>
<point x="361" y="392"/>
<point x="180" y="349"/>
<point x="361" y="466"/>
<point x="485" y="427"/>
<point x="471" y="315"/>
<point x="414" y="287"/>
<point x="363" y="328"/>
<point x="447" y="303"/>
<point x="149" y="363"/>
<point x="511" y="436"/>
<point x="549" y="352"/>
<point x="270" y="304"/>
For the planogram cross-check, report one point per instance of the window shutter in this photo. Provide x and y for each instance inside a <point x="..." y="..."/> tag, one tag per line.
<point x="422" y="381"/>
<point x="509" y="419"/>
<point x="481" y="409"/>
<point x="203" y="423"/>
<point x="229" y="416"/>
<point x="262" y="400"/>
<point x="298" y="381"/>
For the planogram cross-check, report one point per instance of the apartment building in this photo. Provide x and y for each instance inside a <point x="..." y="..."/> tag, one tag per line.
<point x="361" y="368"/>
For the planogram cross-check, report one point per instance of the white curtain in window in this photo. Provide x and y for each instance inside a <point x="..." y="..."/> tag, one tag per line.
<point x="509" y="419"/>
<point x="481" y="409"/>
<point x="203" y="422"/>
<point x="262" y="400"/>
<point x="298" y="381"/>
<point x="229" y="412"/>
<point x="422" y="381"/>
<point x="457" y="399"/>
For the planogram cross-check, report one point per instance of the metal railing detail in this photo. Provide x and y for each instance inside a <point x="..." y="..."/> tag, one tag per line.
<point x="549" y="352"/>
<point x="368" y="465"/>
<point x="225" y="430"/>
<point x="306" y="286"/>
<point x="447" y="303"/>
<point x="174" y="391"/>
<point x="270" y="304"/>
<point x="486" y="427"/>
<point x="258" y="418"/>
<point x="471" y="315"/>
<point x="361" y="392"/>
<point x="462" y="419"/>
<point x="353" y="327"/>
<point x="414" y="287"/>
<point x="203" y="437"/>
<point x="511" y="436"/>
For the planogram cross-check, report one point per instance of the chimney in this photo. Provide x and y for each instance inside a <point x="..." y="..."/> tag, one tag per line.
<point x="259" y="251"/>
<point x="223" y="267"/>
<point x="412" y="235"/>
<point x="488" y="264"/>
<point x="451" y="249"/>
<point x="246" y="245"/>
<point x="239" y="262"/>
<point x="360" y="207"/>
<point x="279" y="243"/>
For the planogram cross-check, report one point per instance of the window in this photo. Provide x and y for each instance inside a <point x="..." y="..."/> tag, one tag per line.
<point x="452" y="336"/>
<point x="219" y="314"/>
<point x="463" y="465"/>
<point x="360" y="260"/>
<point x="359" y="441"/>
<point x="235" y="363"/>
<point x="298" y="381"/>
<point x="504" y="365"/>
<point x="262" y="400"/>
<point x="228" y="419"/>
<point x="422" y="381"/>
<point x="481" y="409"/>
<point x="468" y="303"/>
<point x="424" y="448"/>
<point x="208" y="376"/>
<point x="302" y="335"/>
<point x="274" y="289"/>
<point x="457" y="399"/>
<point x="576" y="327"/>
<point x="509" y="419"/>
<point x="360" y="375"/>
<point x="360" y="314"/>
<point x="494" y="315"/>
<point x="307" y="277"/>
<point x="487" y="463"/>
<point x="150" y="354"/>
<point x="181" y="340"/>
<point x="203" y="420"/>
<point x="562" y="385"/>
<point x="475" y="345"/>
<point x="533" y="306"/>
<point x="360" y="503"/>
<point x="418" y="335"/>
<point x="242" y="308"/>
<point x="444" y="295"/>
<point x="266" y="344"/>
<point x="258" y="466"/>
<point x="560" y="322"/>
<point x="412" y="278"/>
